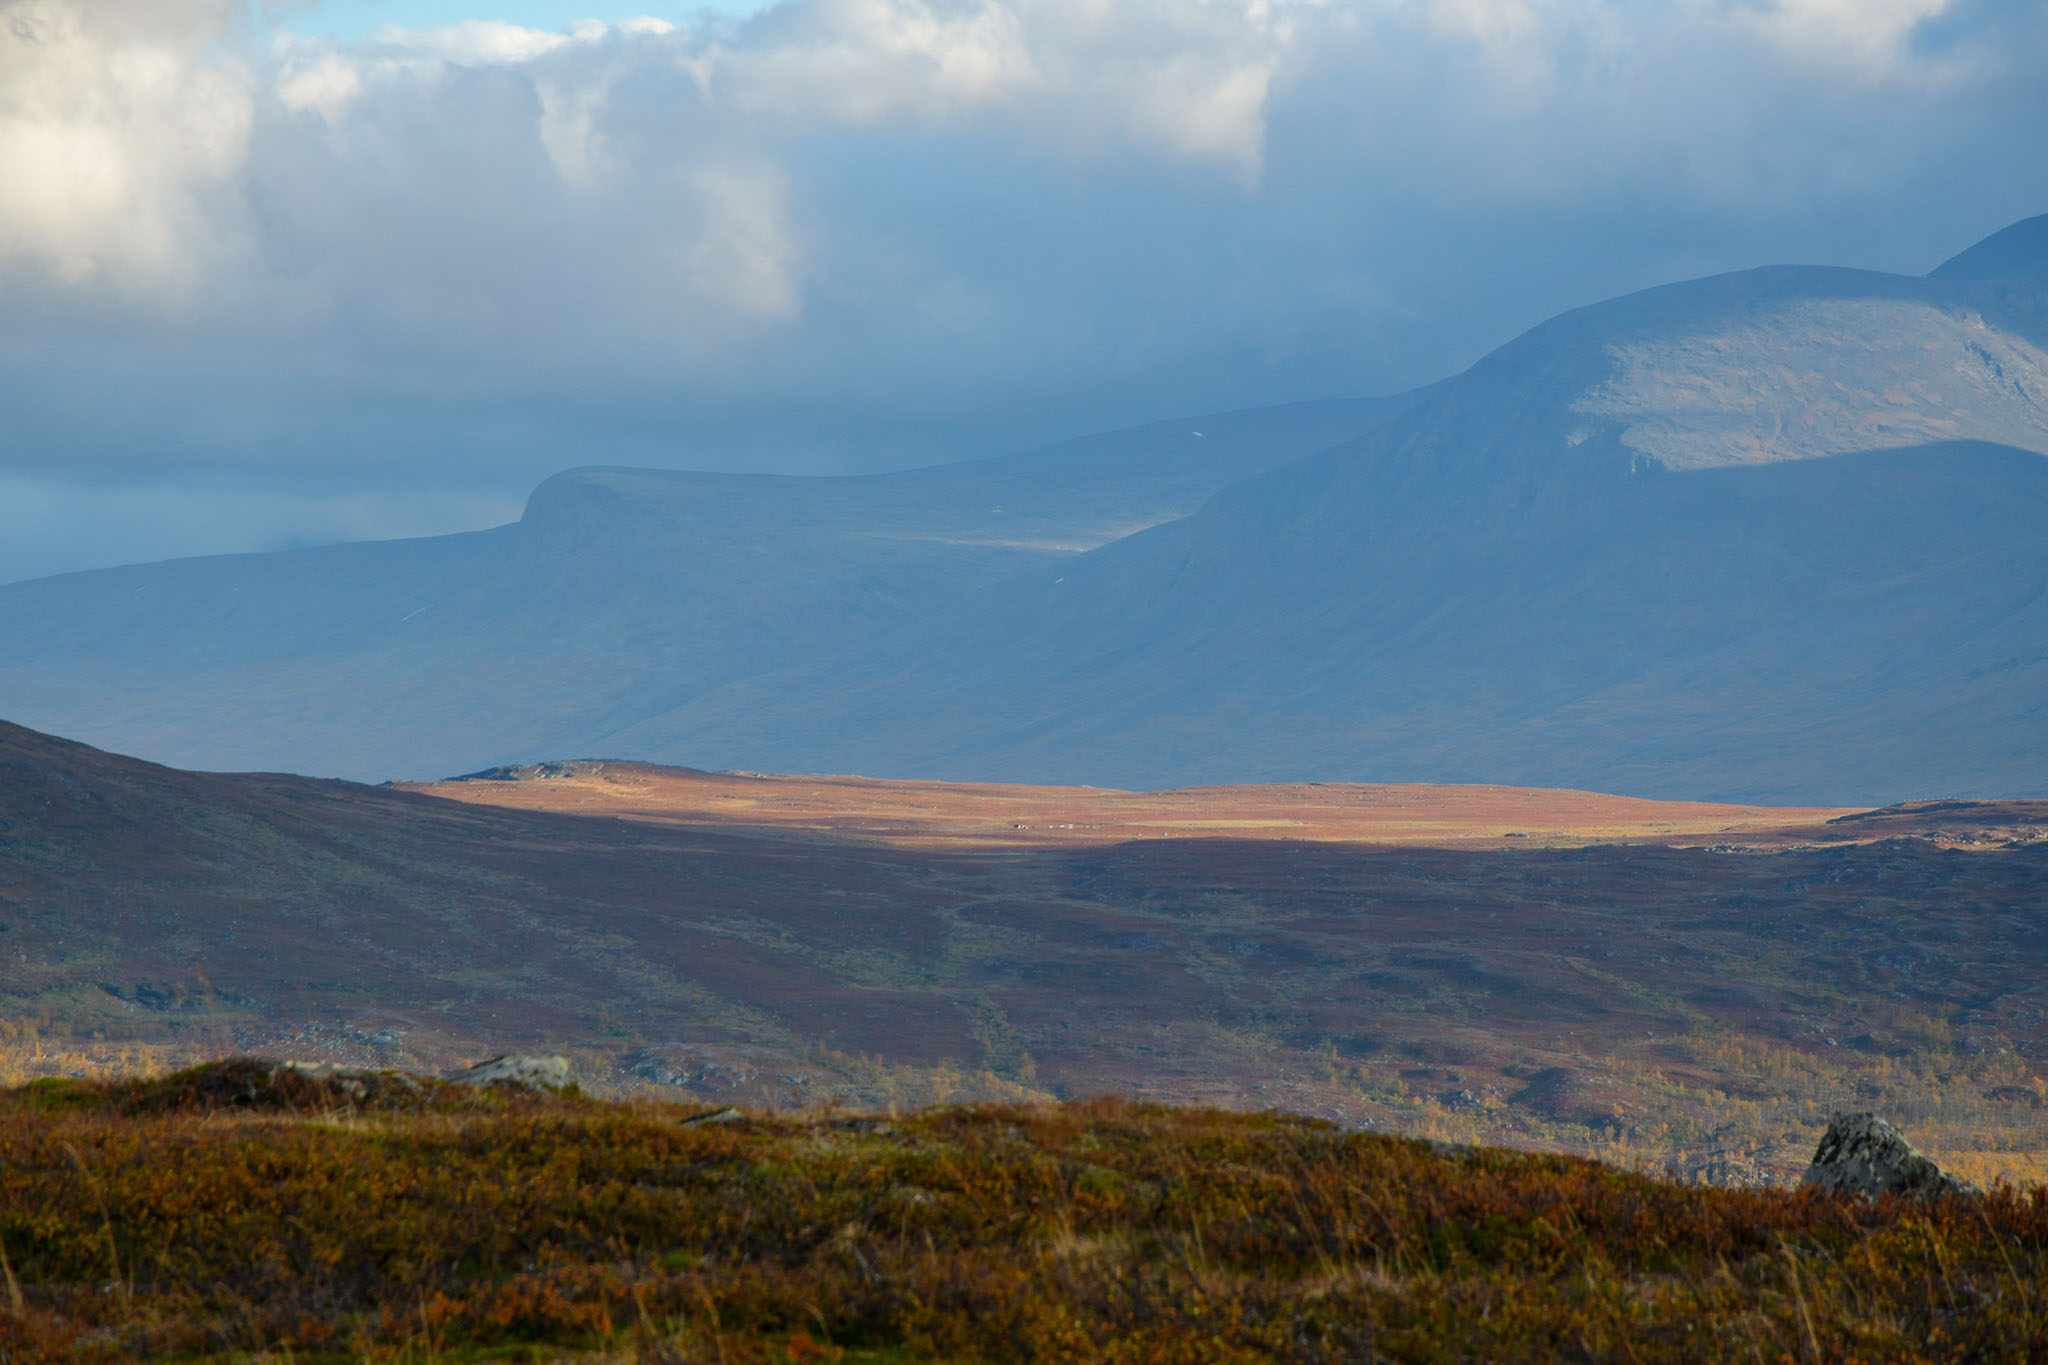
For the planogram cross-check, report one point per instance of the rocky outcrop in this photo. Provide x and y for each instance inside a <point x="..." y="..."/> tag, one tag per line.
<point x="1862" y="1154"/>
<point x="1728" y="1170"/>
<point x="529" y="1073"/>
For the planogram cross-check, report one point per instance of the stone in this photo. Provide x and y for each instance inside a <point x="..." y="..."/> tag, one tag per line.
<point x="723" y="1114"/>
<point x="1728" y="1171"/>
<point x="1864" y="1155"/>
<point x="529" y="1073"/>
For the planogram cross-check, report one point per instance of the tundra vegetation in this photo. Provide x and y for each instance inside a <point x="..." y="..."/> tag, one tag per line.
<point x="1605" y="985"/>
<point x="243" y="1211"/>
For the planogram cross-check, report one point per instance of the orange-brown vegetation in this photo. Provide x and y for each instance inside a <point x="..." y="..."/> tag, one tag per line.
<point x="239" y="1212"/>
<point x="994" y="815"/>
<point x="1697" y="1004"/>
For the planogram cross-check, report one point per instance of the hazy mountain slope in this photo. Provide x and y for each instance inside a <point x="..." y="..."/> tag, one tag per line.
<point x="620" y="593"/>
<point x="2019" y="253"/>
<point x="1775" y="535"/>
<point x="1771" y="535"/>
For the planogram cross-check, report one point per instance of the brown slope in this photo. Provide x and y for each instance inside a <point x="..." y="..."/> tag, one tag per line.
<point x="1683" y="998"/>
<point x="996" y="815"/>
<point x="376" y="913"/>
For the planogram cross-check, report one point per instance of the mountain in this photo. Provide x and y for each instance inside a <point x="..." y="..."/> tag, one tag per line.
<point x="2018" y="253"/>
<point x="1778" y="535"/>
<point x="619" y="594"/>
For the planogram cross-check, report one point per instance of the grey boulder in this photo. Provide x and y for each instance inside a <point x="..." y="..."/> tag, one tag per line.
<point x="1862" y="1154"/>
<point x="530" y="1073"/>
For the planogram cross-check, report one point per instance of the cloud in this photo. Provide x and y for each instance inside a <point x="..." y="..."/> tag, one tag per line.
<point x="1870" y="35"/>
<point x="866" y="63"/>
<point x="741" y="255"/>
<point x="478" y="42"/>
<point x="327" y="84"/>
<point x="51" y="527"/>
<point x="860" y="233"/>
<point x="115" y="125"/>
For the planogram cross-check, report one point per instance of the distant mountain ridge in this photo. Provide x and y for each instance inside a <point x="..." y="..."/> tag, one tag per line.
<point x="2017" y="254"/>
<point x="1779" y="535"/>
<point x="1776" y="535"/>
<point x="620" y="593"/>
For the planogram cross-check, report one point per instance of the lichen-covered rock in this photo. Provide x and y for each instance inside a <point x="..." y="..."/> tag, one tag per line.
<point x="531" y="1073"/>
<point x="1863" y="1154"/>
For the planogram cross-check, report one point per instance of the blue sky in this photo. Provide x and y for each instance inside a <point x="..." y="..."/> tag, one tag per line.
<point x="256" y="293"/>
<point x="352" y="19"/>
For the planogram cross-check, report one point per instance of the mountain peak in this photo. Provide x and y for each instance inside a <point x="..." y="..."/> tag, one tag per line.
<point x="2019" y="252"/>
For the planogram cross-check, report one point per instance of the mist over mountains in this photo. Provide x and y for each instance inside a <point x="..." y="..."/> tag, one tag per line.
<point x="1781" y="534"/>
<point x="620" y="593"/>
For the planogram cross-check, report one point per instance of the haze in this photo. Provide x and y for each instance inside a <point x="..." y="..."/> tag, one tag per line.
<point x="306" y="273"/>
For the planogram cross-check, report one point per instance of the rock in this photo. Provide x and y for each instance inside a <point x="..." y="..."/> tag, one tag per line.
<point x="1863" y="1154"/>
<point x="1728" y="1171"/>
<point x="708" y="1071"/>
<point x="725" y="1114"/>
<point x="530" y="1073"/>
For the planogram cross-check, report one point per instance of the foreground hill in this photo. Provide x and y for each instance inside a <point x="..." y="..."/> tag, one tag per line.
<point x="620" y="593"/>
<point x="1775" y="536"/>
<point x="242" y="1209"/>
<point x="1708" y="1003"/>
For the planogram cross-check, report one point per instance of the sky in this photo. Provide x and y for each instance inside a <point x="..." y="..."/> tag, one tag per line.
<point x="290" y="272"/>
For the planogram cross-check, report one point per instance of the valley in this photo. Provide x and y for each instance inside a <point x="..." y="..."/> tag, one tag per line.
<point x="1699" y="996"/>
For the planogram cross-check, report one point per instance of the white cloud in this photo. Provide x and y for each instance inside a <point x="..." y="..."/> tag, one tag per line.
<point x="569" y="114"/>
<point x="327" y="85"/>
<point x="740" y="254"/>
<point x="124" y="124"/>
<point x="114" y="122"/>
<point x="1206" y="112"/>
<point x="867" y="62"/>
<point x="960" y="224"/>
<point x="1084" y="77"/>
<point x="1870" y="35"/>
<point x="481" y="41"/>
<point x="1492" y="22"/>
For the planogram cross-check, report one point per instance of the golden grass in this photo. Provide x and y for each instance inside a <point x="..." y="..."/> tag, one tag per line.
<point x="238" y="1212"/>
<point x="941" y="814"/>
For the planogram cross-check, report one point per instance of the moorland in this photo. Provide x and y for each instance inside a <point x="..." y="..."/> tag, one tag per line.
<point x="1663" y="986"/>
<point x="247" y="1212"/>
